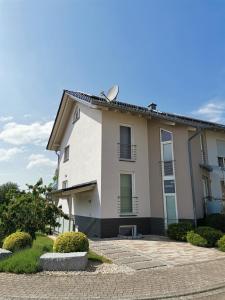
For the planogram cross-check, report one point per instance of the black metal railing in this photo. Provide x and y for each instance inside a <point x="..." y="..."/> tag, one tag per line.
<point x="127" y="152"/>
<point x="127" y="206"/>
<point x="214" y="205"/>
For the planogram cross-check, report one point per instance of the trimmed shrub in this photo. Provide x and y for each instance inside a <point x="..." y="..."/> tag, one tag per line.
<point x="195" y="239"/>
<point x="210" y="234"/>
<point x="221" y="243"/>
<point x="71" y="242"/>
<point x="178" y="231"/>
<point x="17" y="241"/>
<point x="216" y="221"/>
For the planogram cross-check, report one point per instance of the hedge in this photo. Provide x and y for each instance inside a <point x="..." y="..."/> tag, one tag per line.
<point x="71" y="242"/>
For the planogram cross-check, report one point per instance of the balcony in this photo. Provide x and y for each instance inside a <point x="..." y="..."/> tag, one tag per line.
<point x="127" y="206"/>
<point x="214" y="205"/>
<point x="126" y="152"/>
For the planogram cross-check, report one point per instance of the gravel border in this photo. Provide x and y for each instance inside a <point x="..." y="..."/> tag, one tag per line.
<point x="93" y="268"/>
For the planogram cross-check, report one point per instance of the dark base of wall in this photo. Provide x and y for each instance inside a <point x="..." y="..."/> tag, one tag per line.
<point x="110" y="227"/>
<point x="90" y="226"/>
<point x="105" y="228"/>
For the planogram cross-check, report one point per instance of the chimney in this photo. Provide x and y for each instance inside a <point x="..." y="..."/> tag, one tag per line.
<point x="152" y="106"/>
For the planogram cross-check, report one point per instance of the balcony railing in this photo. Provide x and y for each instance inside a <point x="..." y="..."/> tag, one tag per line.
<point x="214" y="205"/>
<point x="127" y="206"/>
<point x="127" y="152"/>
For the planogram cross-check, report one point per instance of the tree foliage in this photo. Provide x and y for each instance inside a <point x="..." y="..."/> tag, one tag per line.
<point x="30" y="211"/>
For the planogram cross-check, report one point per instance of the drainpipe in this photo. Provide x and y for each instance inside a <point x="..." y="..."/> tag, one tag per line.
<point x="58" y="156"/>
<point x="199" y="131"/>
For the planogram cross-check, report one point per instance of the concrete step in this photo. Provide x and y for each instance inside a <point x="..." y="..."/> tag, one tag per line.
<point x="145" y="265"/>
<point x="121" y="255"/>
<point x="132" y="259"/>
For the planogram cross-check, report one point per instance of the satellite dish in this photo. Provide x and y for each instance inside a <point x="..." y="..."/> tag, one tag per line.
<point x="112" y="93"/>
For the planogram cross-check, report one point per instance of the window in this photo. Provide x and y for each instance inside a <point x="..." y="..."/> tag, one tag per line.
<point x="168" y="177"/>
<point x="66" y="153"/>
<point x="65" y="184"/>
<point x="125" y="142"/>
<point x="76" y="115"/>
<point x="222" y="183"/>
<point x="169" y="186"/>
<point x="166" y="136"/>
<point x="203" y="155"/>
<point x="126" y="206"/>
<point x="205" y="183"/>
<point x="221" y="162"/>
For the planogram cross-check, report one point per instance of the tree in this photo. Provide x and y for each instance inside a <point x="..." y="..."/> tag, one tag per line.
<point x="7" y="191"/>
<point x="30" y="212"/>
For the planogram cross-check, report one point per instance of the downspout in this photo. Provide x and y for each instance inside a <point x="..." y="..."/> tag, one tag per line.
<point x="199" y="131"/>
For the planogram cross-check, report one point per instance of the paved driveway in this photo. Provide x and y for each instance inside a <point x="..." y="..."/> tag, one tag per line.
<point x="180" y="282"/>
<point x="153" y="251"/>
<point x="161" y="270"/>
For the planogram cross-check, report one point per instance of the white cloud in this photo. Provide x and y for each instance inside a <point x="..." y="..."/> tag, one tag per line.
<point x="8" y="154"/>
<point x="21" y="134"/>
<point x="6" y="119"/>
<point x="40" y="160"/>
<point x="213" y="111"/>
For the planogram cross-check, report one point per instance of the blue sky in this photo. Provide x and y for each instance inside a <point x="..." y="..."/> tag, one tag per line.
<point x="171" y="52"/>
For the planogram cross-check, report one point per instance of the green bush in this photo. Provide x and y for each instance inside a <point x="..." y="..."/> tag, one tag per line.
<point x="216" y="221"/>
<point x="196" y="239"/>
<point x="17" y="241"/>
<point x="210" y="234"/>
<point x="71" y="242"/>
<point x="27" y="261"/>
<point x="221" y="243"/>
<point x="178" y="231"/>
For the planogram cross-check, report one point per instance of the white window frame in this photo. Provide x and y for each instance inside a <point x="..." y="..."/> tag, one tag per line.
<point x="76" y="114"/>
<point x="131" y="138"/>
<point x="64" y="157"/>
<point x="168" y="177"/>
<point x="133" y="193"/>
<point x="66" y="184"/>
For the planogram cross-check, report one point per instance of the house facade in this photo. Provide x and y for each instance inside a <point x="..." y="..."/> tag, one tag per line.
<point x="123" y="167"/>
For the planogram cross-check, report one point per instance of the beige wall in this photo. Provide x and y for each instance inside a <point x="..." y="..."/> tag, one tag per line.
<point x="197" y="174"/>
<point x="112" y="167"/>
<point x="84" y="139"/>
<point x="182" y="173"/>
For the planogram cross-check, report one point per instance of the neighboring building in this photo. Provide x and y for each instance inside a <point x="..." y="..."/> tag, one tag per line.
<point x="121" y="164"/>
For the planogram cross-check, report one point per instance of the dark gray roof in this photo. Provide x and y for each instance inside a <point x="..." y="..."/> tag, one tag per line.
<point x="75" y="187"/>
<point x="96" y="100"/>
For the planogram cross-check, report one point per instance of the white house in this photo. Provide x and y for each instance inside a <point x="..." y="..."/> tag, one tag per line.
<point x="124" y="167"/>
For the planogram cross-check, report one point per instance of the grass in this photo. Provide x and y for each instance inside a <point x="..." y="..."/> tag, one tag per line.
<point x="27" y="260"/>
<point x="95" y="257"/>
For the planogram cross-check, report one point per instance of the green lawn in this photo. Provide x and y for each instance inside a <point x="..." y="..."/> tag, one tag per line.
<point x="95" y="257"/>
<point x="27" y="260"/>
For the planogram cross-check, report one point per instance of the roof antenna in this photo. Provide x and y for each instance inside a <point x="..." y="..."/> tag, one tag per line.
<point x="112" y="93"/>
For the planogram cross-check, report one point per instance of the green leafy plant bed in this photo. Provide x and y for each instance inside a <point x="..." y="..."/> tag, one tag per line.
<point x="95" y="257"/>
<point x="27" y="261"/>
<point x="178" y="231"/>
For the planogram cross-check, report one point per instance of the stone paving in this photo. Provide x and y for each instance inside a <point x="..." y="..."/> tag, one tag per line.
<point x="161" y="270"/>
<point x="153" y="251"/>
<point x="177" y="282"/>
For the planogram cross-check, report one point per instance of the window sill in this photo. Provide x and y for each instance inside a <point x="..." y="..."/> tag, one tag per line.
<point x="128" y="215"/>
<point x="127" y="159"/>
